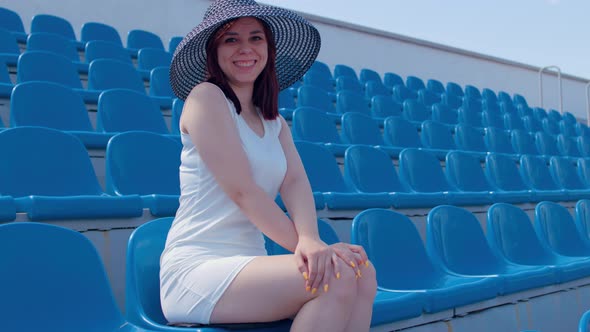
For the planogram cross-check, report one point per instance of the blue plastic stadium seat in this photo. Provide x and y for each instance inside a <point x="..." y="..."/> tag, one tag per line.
<point x="57" y="25"/>
<point x="12" y="22"/>
<point x="160" y="83"/>
<point x="65" y="301"/>
<point x="489" y="95"/>
<point x="535" y="173"/>
<point x="401" y="133"/>
<point x="443" y="113"/>
<point x="416" y="111"/>
<point x="569" y="118"/>
<point x="463" y="171"/>
<point x="428" y="98"/>
<point x="138" y="39"/>
<point x="504" y="97"/>
<point x="498" y="140"/>
<point x="150" y="58"/>
<point x="51" y="177"/>
<point x="358" y="128"/>
<point x="554" y="115"/>
<point x="122" y="110"/>
<point x="469" y="138"/>
<point x="328" y="183"/>
<point x="449" y="99"/>
<point x="322" y="68"/>
<point x="502" y="172"/>
<point x="390" y="80"/>
<point x="539" y="113"/>
<point x="344" y="70"/>
<point x="511" y="235"/>
<point x="173" y="43"/>
<point x="350" y="101"/>
<point x="9" y="49"/>
<point x="456" y="242"/>
<point x="492" y="119"/>
<point x="104" y="74"/>
<point x="384" y="106"/>
<point x="103" y="49"/>
<point x="523" y="111"/>
<point x="567" y="128"/>
<point x="435" y="86"/>
<point x="423" y="173"/>
<point x="583" y="219"/>
<point x="403" y="266"/>
<point x="415" y="83"/>
<point x="564" y="173"/>
<point x="376" y="88"/>
<point x="5" y="83"/>
<point x="145" y="164"/>
<point x="556" y="229"/>
<point x="142" y="289"/>
<point x="583" y="143"/>
<point x="51" y="105"/>
<point x="472" y="92"/>
<point x="367" y="75"/>
<point x="46" y="66"/>
<point x="319" y="79"/>
<point x="310" y="96"/>
<point x="513" y="122"/>
<point x="582" y="129"/>
<point x="472" y="105"/>
<point x="567" y="146"/>
<point x="584" y="323"/>
<point x="436" y="135"/>
<point x="7" y="209"/>
<point x="454" y="89"/>
<point x="401" y="94"/>
<point x="519" y="100"/>
<point x="100" y="31"/>
<point x="546" y="144"/>
<point x="177" y="106"/>
<point x="54" y="43"/>
<point x="583" y="166"/>
<point x="346" y="83"/>
<point x="313" y="125"/>
<point x="550" y="127"/>
<point x="531" y="124"/>
<point x="491" y="106"/>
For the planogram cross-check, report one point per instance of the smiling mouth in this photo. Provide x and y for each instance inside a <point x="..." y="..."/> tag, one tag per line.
<point x="245" y="64"/>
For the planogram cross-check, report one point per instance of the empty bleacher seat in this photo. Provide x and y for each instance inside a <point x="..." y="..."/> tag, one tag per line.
<point x="556" y="228"/>
<point x="5" y="83"/>
<point x="583" y="218"/>
<point x="376" y="88"/>
<point x="546" y="144"/>
<point x="489" y="95"/>
<point x="567" y="146"/>
<point x="344" y="70"/>
<point x="396" y="250"/>
<point x="9" y="49"/>
<point x="367" y="75"/>
<point x="138" y="39"/>
<point x="313" y="125"/>
<point x="390" y="80"/>
<point x="321" y="67"/>
<point x="310" y="96"/>
<point x="531" y="124"/>
<point x="160" y="83"/>
<point x="567" y="128"/>
<point x="100" y="31"/>
<point x="415" y="83"/>
<point x="518" y="99"/>
<point x="57" y="25"/>
<point x="122" y="110"/>
<point x="535" y="173"/>
<point x="490" y="106"/>
<point x="401" y="94"/>
<point x="358" y="128"/>
<point x="52" y="105"/>
<point x="428" y="98"/>
<point x="523" y="142"/>
<point x="319" y="79"/>
<point x="385" y="106"/>
<point x="583" y="143"/>
<point x="472" y="92"/>
<point x="511" y="235"/>
<point x="435" y="86"/>
<point x="436" y="135"/>
<point x="150" y="58"/>
<point x="469" y="138"/>
<point x="492" y="119"/>
<point x="401" y="133"/>
<point x="12" y="22"/>
<point x="75" y="294"/>
<point x="513" y="122"/>
<point x="502" y="172"/>
<point x="451" y="230"/>
<point x="504" y="97"/>
<point x="346" y="83"/>
<point x="443" y="113"/>
<point x="145" y="164"/>
<point x="54" y="43"/>
<point x="451" y="100"/>
<point x="498" y="140"/>
<point x="550" y="127"/>
<point x="565" y="174"/>
<point x="415" y="111"/>
<point x="51" y="177"/>
<point x="454" y="89"/>
<point x="173" y="43"/>
<point x="103" y="49"/>
<point x="350" y="101"/>
<point x="177" y="106"/>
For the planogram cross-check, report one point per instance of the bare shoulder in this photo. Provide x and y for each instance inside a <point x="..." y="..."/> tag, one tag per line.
<point x="199" y="104"/>
<point x="205" y="94"/>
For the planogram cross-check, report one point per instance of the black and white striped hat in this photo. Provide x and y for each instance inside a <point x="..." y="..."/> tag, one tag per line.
<point x="297" y="43"/>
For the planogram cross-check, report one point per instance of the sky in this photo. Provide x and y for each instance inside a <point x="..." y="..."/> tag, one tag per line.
<point x="534" y="32"/>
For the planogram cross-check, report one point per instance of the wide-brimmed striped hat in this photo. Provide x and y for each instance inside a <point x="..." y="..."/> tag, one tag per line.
<point x="297" y="43"/>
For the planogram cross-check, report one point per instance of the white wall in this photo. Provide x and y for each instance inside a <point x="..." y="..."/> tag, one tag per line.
<point x="342" y="43"/>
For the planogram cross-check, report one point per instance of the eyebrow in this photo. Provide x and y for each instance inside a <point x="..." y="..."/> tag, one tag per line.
<point x="235" y="33"/>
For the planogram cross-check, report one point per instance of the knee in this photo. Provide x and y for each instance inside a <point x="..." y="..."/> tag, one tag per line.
<point x="344" y="289"/>
<point x="367" y="284"/>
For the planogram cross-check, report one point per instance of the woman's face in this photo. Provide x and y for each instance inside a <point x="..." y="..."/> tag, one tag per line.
<point x="243" y="51"/>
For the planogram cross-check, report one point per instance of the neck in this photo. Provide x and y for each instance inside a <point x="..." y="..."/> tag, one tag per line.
<point x="244" y="94"/>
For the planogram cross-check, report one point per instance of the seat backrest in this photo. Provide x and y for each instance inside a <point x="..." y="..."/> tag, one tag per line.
<point x="464" y="171"/>
<point x="106" y="74"/>
<point x="435" y="86"/>
<point x="567" y="146"/>
<point x="546" y="144"/>
<point x="177" y="106"/>
<point x="75" y="294"/>
<point x="583" y="143"/>
<point x="141" y="39"/>
<point x="567" y="128"/>
<point x="48" y="104"/>
<point x="455" y="239"/>
<point x="414" y="110"/>
<point x="350" y="101"/>
<point x="564" y="173"/>
<point x="504" y="97"/>
<point x="142" y="163"/>
<point x="310" y="124"/>
<point x="53" y="43"/>
<point x="582" y="129"/>
<point x="510" y="232"/>
<point x="519" y="100"/>
<point x="489" y="95"/>
<point x="384" y="106"/>
<point x="395" y="249"/>
<point x="367" y="75"/>
<point x="346" y="83"/>
<point x="455" y="89"/>
<point x="11" y="21"/>
<point x="443" y="113"/>
<point x="173" y="43"/>
<point x="286" y="99"/>
<point x="556" y="227"/>
<point x="531" y="124"/>
<point x="160" y="82"/>
<point x="428" y="98"/>
<point x="53" y="24"/>
<point x="8" y="43"/>
<point x="503" y="173"/>
<point x="142" y="289"/>
<point x="401" y="93"/>
<point x="326" y="232"/>
<point x="376" y="88"/>
<point x="469" y="138"/>
<point x="554" y="115"/>
<point x="549" y="126"/>
<point x="45" y="162"/>
<point x="523" y="142"/>
<point x="321" y="168"/>
<point x="370" y="170"/>
<point x="472" y="92"/>
<point x="536" y="174"/>
<point x="523" y="111"/>
<point x="492" y="119"/>
<point x="319" y="79"/>
<point x="498" y="140"/>
<point x="399" y="132"/>
<point x="472" y="105"/>
<point x="344" y="70"/>
<point x="321" y="67"/>
<point x="512" y="122"/>
<point x="359" y="128"/>
<point x="583" y="166"/>
<point x="390" y="80"/>
<point x="150" y="58"/>
<point x="310" y="96"/>
<point x="103" y="49"/>
<point x="46" y="66"/>
<point x="469" y="117"/>
<point x="583" y="218"/>
<point x="126" y="110"/>
<point x="422" y="171"/>
<point x="100" y="31"/>
<point x="415" y="83"/>
<point x="436" y="135"/>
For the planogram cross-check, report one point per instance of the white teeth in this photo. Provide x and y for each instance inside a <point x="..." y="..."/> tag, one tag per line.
<point x="245" y="63"/>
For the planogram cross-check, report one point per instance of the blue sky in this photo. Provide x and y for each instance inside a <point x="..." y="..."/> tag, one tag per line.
<point x="535" y="32"/>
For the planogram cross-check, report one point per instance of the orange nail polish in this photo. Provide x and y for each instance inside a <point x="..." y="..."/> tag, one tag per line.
<point x="313" y="291"/>
<point x="305" y="276"/>
<point x="352" y="264"/>
<point x="325" y="288"/>
<point x="307" y="289"/>
<point x="367" y="263"/>
<point x="338" y="275"/>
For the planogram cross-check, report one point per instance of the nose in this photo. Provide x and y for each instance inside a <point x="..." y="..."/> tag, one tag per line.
<point x="245" y="48"/>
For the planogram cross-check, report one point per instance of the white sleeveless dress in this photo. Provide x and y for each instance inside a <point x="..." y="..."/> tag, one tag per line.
<point x="211" y="240"/>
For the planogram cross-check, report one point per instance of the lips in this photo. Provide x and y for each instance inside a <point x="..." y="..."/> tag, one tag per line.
<point x="245" y="63"/>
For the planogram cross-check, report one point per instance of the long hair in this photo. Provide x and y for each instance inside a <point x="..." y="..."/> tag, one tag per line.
<point x="266" y="86"/>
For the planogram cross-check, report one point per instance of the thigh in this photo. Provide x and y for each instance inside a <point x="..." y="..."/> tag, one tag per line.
<point x="268" y="288"/>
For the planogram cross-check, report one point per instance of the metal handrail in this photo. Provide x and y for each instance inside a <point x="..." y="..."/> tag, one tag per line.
<point x="558" y="86"/>
<point x="588" y="104"/>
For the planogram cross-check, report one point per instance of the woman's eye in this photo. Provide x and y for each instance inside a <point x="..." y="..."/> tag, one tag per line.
<point x="256" y="38"/>
<point x="230" y="40"/>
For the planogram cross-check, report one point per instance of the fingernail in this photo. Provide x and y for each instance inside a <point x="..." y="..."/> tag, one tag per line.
<point x="367" y="263"/>
<point x="307" y="289"/>
<point x="325" y="288"/>
<point x="358" y="273"/>
<point x="305" y="275"/>
<point x="352" y="264"/>
<point x="338" y="275"/>
<point x="356" y="276"/>
<point x="313" y="291"/>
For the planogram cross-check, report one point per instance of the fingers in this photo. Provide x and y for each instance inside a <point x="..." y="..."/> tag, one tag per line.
<point x="328" y="272"/>
<point x="319" y="269"/>
<point x="337" y="265"/>
<point x="361" y="251"/>
<point x="302" y="266"/>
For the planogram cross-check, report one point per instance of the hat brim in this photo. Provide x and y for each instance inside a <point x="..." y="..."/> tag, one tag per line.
<point x="297" y="44"/>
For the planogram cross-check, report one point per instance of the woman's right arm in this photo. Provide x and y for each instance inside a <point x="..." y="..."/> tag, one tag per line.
<point x="207" y="120"/>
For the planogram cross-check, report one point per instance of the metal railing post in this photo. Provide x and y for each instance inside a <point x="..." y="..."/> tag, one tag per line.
<point x="588" y="103"/>
<point x="559" y="87"/>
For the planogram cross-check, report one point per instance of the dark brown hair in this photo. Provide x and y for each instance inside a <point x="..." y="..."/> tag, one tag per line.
<point x="266" y="86"/>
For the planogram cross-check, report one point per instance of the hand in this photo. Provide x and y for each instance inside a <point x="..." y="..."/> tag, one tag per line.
<point x="315" y="262"/>
<point x="353" y="255"/>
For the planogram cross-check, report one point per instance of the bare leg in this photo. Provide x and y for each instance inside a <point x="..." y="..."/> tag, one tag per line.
<point x="271" y="288"/>
<point x="362" y="311"/>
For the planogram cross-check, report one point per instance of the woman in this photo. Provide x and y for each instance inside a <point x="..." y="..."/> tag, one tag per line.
<point x="237" y="155"/>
